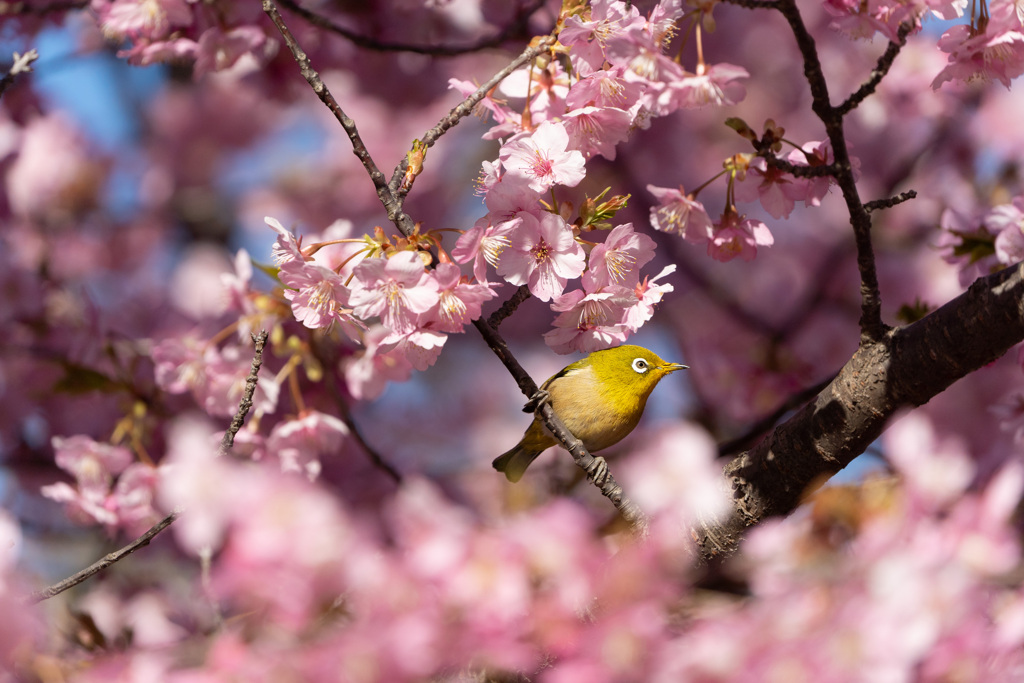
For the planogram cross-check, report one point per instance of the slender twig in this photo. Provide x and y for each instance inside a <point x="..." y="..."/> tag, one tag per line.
<point x="509" y="307"/>
<point x="890" y="202"/>
<point x="102" y="564"/>
<point x="797" y="170"/>
<point x="376" y="458"/>
<point x="872" y="329"/>
<point x="245" y="405"/>
<point x="22" y="64"/>
<point x="462" y="110"/>
<point x="514" y="28"/>
<point x="25" y="8"/>
<point x="885" y="63"/>
<point x="401" y="219"/>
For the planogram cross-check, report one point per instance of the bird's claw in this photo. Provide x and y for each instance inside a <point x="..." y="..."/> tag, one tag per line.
<point x="598" y="471"/>
<point x="539" y="398"/>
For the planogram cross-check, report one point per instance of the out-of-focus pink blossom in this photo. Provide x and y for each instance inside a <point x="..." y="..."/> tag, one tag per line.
<point x="681" y="214"/>
<point x="219" y="49"/>
<point x="153" y="19"/>
<point x="986" y="55"/>
<point x="215" y="377"/>
<point x="711" y="85"/>
<point x="208" y="489"/>
<point x="735" y="235"/>
<point x="936" y="470"/>
<point x="55" y="177"/>
<point x="1006" y="222"/>
<point x="95" y="498"/>
<point x="544" y="254"/>
<point x="300" y="443"/>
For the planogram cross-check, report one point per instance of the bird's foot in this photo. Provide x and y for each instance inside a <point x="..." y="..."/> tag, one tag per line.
<point x="598" y="471"/>
<point x="539" y="398"/>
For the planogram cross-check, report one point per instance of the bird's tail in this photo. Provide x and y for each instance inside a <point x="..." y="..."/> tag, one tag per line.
<point x="514" y="462"/>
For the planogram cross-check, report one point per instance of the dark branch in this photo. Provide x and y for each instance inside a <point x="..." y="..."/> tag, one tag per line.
<point x="463" y="109"/>
<point x="28" y="8"/>
<point x="906" y="368"/>
<point x="102" y="564"/>
<point x="376" y="458"/>
<point x="514" y="29"/>
<point x="245" y="405"/>
<point x="872" y="329"/>
<point x="877" y="204"/>
<point x="881" y="69"/>
<point x="401" y="219"/>
<point x="509" y="307"/>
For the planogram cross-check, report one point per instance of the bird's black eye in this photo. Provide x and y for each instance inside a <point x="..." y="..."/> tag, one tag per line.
<point x="640" y="365"/>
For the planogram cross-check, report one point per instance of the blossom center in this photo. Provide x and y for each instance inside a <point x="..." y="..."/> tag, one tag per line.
<point x="619" y="263"/>
<point x="541" y="166"/>
<point x="541" y="252"/>
<point x="492" y="248"/>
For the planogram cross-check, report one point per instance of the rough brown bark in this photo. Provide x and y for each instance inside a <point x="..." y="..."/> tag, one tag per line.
<point x="906" y="368"/>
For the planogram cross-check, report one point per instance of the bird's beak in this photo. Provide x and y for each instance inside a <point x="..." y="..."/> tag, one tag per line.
<point x="672" y="367"/>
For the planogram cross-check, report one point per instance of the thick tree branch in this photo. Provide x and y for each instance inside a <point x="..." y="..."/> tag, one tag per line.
<point x="905" y="369"/>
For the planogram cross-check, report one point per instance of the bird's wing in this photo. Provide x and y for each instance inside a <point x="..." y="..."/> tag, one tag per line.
<point x="567" y="370"/>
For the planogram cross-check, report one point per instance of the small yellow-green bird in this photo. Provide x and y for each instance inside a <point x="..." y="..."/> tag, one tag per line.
<point x="600" y="399"/>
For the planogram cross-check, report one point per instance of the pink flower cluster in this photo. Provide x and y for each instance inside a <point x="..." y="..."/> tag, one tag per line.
<point x="215" y="38"/>
<point x="622" y="79"/>
<point x="982" y="243"/>
<point x="95" y="498"/>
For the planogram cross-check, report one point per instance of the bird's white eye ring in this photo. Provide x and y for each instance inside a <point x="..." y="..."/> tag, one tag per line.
<point x="640" y="365"/>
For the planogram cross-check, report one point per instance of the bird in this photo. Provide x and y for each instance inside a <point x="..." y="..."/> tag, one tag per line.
<point x="599" y="399"/>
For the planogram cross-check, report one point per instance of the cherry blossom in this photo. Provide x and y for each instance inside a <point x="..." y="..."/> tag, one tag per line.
<point x="396" y="289"/>
<point x="483" y="244"/>
<point x="618" y="260"/>
<point x="589" y="321"/>
<point x="543" y="159"/>
<point x="998" y="54"/>
<point x="299" y="443"/>
<point x="543" y="254"/>
<point x="597" y="131"/>
<point x="735" y="235"/>
<point x="681" y="214"/>
<point x="458" y="302"/>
